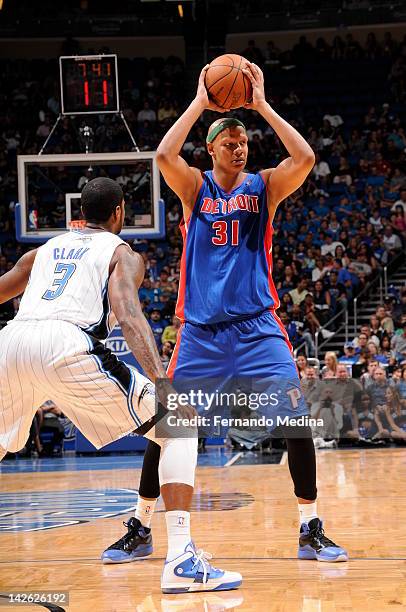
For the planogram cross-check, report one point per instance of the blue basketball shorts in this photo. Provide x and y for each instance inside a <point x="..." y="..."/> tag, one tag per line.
<point x="254" y="353"/>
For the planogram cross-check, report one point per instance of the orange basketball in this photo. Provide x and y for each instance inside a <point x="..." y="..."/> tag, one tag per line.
<point x="226" y="83"/>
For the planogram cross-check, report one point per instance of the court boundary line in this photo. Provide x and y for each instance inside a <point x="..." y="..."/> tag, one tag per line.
<point x="86" y="559"/>
<point x="232" y="460"/>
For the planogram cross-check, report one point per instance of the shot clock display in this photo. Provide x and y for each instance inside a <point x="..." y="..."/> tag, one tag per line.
<point x="89" y="84"/>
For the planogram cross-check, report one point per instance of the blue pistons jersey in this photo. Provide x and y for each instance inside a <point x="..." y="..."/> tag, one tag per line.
<point x="226" y="266"/>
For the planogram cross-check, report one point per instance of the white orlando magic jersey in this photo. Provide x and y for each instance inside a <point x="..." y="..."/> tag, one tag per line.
<point x="69" y="282"/>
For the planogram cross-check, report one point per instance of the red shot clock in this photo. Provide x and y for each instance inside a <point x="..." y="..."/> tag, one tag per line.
<point x="89" y="84"/>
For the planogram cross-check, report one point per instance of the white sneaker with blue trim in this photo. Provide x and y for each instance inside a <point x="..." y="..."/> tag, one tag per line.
<point x="191" y="572"/>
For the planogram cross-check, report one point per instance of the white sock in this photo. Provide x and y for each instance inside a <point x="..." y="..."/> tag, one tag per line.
<point x="307" y="512"/>
<point x="144" y="510"/>
<point x="178" y="529"/>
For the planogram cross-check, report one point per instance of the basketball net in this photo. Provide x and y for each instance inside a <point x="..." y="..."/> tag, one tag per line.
<point x="77" y="224"/>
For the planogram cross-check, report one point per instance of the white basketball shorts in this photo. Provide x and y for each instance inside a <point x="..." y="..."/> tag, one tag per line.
<point x="55" y="360"/>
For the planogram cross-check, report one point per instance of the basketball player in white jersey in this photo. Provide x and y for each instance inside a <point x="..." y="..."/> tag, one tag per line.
<point x="76" y="286"/>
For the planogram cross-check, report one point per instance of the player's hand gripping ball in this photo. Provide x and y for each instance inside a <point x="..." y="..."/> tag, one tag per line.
<point x="226" y="83"/>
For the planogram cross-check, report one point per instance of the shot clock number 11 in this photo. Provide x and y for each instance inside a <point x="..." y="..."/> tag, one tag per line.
<point x="89" y="84"/>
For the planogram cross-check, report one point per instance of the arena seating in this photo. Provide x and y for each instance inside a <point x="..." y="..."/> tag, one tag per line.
<point x="331" y="237"/>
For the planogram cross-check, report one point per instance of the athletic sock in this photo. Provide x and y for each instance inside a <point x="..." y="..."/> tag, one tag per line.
<point x="144" y="511"/>
<point x="178" y="529"/>
<point x="307" y="512"/>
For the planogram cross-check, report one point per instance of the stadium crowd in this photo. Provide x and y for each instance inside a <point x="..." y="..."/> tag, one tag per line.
<point x="330" y="237"/>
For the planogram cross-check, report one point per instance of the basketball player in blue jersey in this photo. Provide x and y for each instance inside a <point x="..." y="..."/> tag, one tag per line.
<point x="227" y="299"/>
<point x="76" y="286"/>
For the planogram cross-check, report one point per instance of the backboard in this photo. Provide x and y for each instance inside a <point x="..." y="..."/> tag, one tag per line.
<point x="49" y="188"/>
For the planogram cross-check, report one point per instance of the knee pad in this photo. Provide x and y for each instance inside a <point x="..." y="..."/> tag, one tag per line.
<point x="178" y="460"/>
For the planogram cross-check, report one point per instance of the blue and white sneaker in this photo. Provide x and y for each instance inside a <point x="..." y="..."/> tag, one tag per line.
<point x="135" y="545"/>
<point x="314" y="545"/>
<point x="191" y="572"/>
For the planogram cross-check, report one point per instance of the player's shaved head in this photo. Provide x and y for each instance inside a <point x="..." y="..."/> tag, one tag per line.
<point x="100" y="198"/>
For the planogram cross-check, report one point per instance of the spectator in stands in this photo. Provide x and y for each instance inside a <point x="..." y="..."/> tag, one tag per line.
<point x="396" y="378"/>
<point x="253" y="131"/>
<point x="253" y="54"/>
<point x="400" y="180"/>
<point x="349" y="357"/>
<point x="309" y="310"/>
<point x="286" y="303"/>
<point x="166" y="353"/>
<point x="299" y="320"/>
<point x="123" y="178"/>
<point x="85" y="178"/>
<point x="391" y="242"/>
<point x="386" y="352"/>
<point x="146" y="114"/>
<point x="396" y="414"/>
<point x="51" y="424"/>
<point x="375" y="353"/>
<point x="147" y="293"/>
<point x="33" y="443"/>
<point x="322" y="302"/>
<point x="385" y="321"/>
<point x="167" y="112"/>
<point x="329" y="369"/>
<point x="398" y="344"/>
<point x="367" y="428"/>
<point x="367" y="378"/>
<point x="361" y="341"/>
<point x="329" y="245"/>
<point x="170" y="332"/>
<point x="377" y="389"/>
<point x="401" y="384"/>
<point x="310" y="384"/>
<point x="321" y="170"/>
<point x="157" y="325"/>
<point x="299" y="293"/>
<point x="343" y="172"/>
<point x="301" y="363"/>
<point x="320" y="270"/>
<point x="398" y="221"/>
<point x="384" y="421"/>
<point x="44" y="129"/>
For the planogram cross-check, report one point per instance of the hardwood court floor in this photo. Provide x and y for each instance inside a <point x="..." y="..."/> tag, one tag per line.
<point x="362" y="499"/>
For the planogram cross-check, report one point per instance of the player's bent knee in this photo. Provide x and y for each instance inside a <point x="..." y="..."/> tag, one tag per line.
<point x="178" y="460"/>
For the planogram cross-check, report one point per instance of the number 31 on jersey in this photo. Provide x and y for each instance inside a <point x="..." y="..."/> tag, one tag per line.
<point x="226" y="233"/>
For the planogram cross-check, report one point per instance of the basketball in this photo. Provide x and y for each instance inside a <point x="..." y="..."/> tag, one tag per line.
<point x="226" y="83"/>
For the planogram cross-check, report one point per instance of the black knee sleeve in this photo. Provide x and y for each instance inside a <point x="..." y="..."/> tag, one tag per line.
<point x="149" y="482"/>
<point x="302" y="461"/>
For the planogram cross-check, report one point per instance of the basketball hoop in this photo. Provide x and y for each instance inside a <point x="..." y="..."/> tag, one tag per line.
<point x="77" y="224"/>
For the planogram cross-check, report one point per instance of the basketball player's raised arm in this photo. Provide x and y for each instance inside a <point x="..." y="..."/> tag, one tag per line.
<point x="126" y="275"/>
<point x="183" y="179"/>
<point x="291" y="173"/>
<point x="14" y="282"/>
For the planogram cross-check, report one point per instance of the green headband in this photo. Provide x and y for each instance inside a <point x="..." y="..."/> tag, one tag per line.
<point x="223" y="125"/>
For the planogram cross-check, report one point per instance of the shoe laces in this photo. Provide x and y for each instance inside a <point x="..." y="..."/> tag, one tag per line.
<point x="129" y="536"/>
<point x="318" y="534"/>
<point x="203" y="557"/>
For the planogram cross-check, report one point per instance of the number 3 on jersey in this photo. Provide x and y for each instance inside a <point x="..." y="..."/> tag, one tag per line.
<point x="67" y="271"/>
<point x="221" y="229"/>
